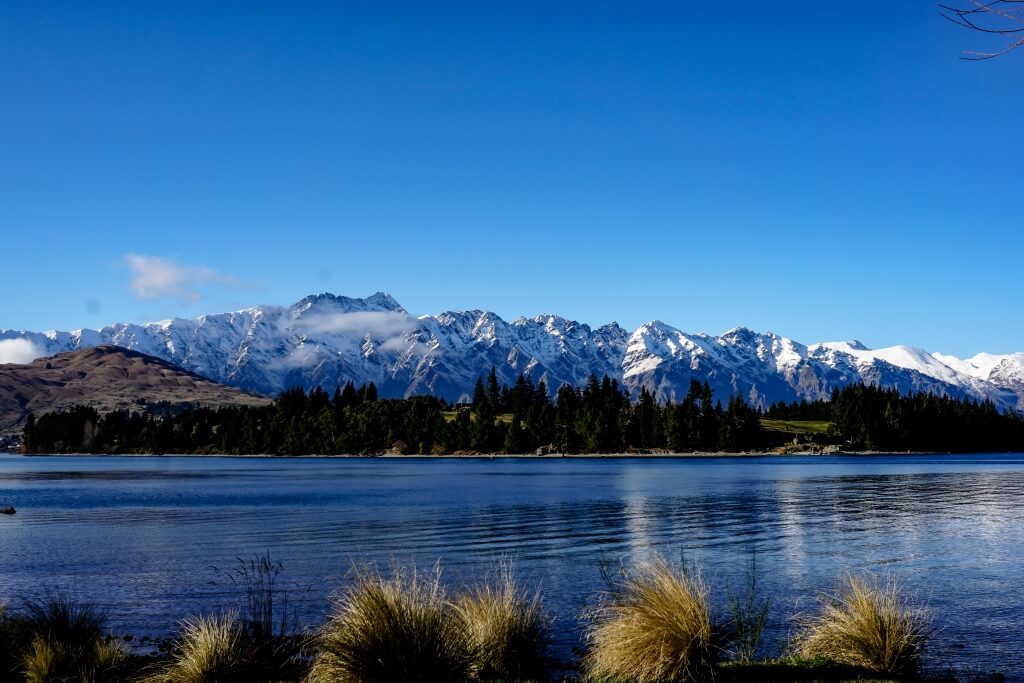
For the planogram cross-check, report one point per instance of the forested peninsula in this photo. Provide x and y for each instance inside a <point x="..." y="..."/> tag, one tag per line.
<point x="524" y="419"/>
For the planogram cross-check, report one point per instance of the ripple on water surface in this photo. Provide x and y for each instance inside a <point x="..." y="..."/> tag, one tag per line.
<point x="142" y="536"/>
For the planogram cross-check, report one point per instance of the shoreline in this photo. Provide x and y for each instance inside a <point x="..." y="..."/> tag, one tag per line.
<point x="510" y="456"/>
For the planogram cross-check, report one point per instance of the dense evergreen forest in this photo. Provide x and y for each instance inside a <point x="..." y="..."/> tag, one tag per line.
<point x="599" y="418"/>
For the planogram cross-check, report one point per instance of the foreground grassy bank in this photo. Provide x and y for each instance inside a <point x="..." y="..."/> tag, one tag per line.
<point x="655" y="622"/>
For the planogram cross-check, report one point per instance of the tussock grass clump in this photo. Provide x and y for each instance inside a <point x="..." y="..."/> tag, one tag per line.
<point x="655" y="627"/>
<point x="49" y="661"/>
<point x="392" y="629"/>
<point x="508" y="631"/>
<point x="59" y="619"/>
<point x="209" y="649"/>
<point x="868" y="622"/>
<point x="67" y="643"/>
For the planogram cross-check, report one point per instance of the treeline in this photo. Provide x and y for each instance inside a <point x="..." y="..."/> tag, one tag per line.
<point x="871" y="418"/>
<point x="597" y="418"/>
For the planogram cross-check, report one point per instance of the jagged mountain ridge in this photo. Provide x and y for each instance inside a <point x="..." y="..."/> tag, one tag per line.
<point x="326" y="340"/>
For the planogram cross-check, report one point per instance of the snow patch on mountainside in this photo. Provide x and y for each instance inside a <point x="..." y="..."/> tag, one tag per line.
<point x="907" y="357"/>
<point x="984" y="364"/>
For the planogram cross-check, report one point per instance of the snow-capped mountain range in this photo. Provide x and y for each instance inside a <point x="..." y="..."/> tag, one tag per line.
<point x="327" y="340"/>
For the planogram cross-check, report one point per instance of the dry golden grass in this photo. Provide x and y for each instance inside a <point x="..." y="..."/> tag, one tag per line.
<point x="60" y="640"/>
<point x="868" y="622"/>
<point x="508" y="630"/>
<point x="45" y="659"/>
<point x="49" y="661"/>
<point x="209" y="649"/>
<point x="392" y="629"/>
<point x="656" y="627"/>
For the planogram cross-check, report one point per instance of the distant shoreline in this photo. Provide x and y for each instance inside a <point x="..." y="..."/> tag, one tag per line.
<point x="506" y="456"/>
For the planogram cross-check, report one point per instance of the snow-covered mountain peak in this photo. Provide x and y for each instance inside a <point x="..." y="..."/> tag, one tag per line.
<point x="901" y="356"/>
<point x="848" y="347"/>
<point x="741" y="334"/>
<point x="327" y="302"/>
<point x="384" y="301"/>
<point x="612" y="332"/>
<point x="652" y="344"/>
<point x="655" y="329"/>
<point x="1005" y="371"/>
<point x="489" y="326"/>
<point x="745" y="337"/>
<point x="980" y="365"/>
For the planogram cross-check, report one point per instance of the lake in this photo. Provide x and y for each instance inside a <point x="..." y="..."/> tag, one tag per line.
<point x="144" y="537"/>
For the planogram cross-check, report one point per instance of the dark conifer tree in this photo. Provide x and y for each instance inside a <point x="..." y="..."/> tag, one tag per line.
<point x="493" y="391"/>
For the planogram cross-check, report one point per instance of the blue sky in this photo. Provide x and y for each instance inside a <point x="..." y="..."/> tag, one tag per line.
<point x="821" y="170"/>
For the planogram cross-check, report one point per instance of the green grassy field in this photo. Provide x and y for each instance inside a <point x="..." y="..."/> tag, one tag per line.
<point x="796" y="426"/>
<point x="450" y="415"/>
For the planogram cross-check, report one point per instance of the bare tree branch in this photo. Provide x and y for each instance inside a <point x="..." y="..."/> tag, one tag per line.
<point x="999" y="17"/>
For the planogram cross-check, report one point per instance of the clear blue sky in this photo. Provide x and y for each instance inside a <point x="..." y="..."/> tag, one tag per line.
<point x="822" y="170"/>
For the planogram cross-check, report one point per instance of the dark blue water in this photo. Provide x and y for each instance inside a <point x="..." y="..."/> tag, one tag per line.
<point x="142" y="536"/>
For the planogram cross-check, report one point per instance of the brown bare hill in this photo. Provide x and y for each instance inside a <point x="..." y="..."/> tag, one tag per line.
<point x="107" y="378"/>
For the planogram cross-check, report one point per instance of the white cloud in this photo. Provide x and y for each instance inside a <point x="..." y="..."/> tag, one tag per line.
<point x="394" y="344"/>
<point x="19" y="351"/>
<point x="154" y="277"/>
<point x="304" y="356"/>
<point x="391" y="331"/>
<point x="380" y="324"/>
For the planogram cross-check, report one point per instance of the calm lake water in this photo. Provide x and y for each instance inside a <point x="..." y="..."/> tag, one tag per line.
<point x="142" y="537"/>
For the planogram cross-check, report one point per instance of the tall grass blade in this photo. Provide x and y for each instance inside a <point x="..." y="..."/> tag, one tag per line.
<point x="749" y="616"/>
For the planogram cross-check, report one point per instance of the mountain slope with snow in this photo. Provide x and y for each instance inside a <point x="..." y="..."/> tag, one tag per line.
<point x="326" y="340"/>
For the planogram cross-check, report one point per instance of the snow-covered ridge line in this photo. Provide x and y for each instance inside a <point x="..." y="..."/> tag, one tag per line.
<point x="326" y="340"/>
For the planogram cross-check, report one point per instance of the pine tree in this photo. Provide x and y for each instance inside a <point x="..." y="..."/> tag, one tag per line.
<point x="493" y="391"/>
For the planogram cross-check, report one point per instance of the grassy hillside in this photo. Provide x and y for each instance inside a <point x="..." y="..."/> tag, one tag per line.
<point x="106" y="378"/>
